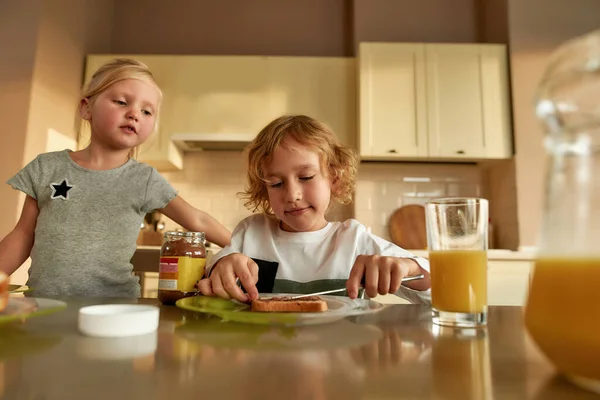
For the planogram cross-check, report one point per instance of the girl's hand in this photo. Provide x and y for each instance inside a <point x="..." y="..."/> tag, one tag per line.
<point x="223" y="277"/>
<point x="382" y="274"/>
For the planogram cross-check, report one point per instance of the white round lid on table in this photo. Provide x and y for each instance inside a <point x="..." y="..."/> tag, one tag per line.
<point x="118" y="320"/>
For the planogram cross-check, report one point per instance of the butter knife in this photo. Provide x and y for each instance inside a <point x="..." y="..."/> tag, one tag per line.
<point x="406" y="279"/>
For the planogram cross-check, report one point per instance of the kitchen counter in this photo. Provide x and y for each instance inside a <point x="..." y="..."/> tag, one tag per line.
<point x="495" y="255"/>
<point x="394" y="354"/>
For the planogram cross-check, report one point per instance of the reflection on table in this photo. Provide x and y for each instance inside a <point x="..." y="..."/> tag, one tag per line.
<point x="394" y="354"/>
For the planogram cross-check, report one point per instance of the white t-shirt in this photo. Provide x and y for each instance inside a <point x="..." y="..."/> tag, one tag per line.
<point x="313" y="261"/>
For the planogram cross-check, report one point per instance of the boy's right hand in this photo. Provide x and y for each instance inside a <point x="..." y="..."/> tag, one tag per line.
<point x="222" y="280"/>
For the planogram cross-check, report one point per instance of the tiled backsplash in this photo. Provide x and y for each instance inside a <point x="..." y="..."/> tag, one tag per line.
<point x="383" y="187"/>
<point x="211" y="180"/>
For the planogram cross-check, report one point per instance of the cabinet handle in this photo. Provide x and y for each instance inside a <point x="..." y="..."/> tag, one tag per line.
<point x="460" y="152"/>
<point x="393" y="151"/>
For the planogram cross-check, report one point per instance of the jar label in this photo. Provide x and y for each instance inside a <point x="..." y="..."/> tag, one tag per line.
<point x="180" y="273"/>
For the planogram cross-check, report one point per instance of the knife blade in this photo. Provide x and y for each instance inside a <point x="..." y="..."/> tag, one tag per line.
<point x="406" y="279"/>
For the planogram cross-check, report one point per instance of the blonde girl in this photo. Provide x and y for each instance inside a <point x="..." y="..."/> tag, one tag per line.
<point x="296" y="169"/>
<point x="83" y="209"/>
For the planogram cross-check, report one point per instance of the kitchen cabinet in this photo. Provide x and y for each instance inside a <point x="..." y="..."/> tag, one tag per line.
<point x="392" y="108"/>
<point x="242" y="94"/>
<point x="433" y="101"/>
<point x="218" y="95"/>
<point x="321" y="87"/>
<point x="158" y="151"/>
<point x="239" y="95"/>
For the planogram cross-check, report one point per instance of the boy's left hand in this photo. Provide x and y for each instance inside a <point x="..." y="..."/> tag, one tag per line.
<point x="382" y="274"/>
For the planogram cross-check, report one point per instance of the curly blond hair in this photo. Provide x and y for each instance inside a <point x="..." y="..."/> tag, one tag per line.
<point x="337" y="160"/>
<point x="114" y="71"/>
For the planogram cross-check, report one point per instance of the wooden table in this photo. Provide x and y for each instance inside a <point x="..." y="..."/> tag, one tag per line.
<point x="395" y="354"/>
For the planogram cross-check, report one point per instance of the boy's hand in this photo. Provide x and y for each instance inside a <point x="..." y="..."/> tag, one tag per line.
<point x="382" y="275"/>
<point x="222" y="280"/>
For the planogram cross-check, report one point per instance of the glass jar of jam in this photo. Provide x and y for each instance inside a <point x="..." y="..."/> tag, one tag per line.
<point x="182" y="262"/>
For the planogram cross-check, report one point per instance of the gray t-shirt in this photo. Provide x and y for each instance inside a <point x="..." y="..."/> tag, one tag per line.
<point x="88" y="224"/>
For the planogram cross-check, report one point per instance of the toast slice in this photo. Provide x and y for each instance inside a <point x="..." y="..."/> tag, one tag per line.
<point x="3" y="291"/>
<point x="287" y="304"/>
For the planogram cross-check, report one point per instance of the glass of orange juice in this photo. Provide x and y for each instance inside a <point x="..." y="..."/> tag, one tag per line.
<point x="457" y="240"/>
<point x="562" y="314"/>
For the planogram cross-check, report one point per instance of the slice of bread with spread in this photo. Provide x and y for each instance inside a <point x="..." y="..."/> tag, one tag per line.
<point x="288" y="304"/>
<point x="3" y="291"/>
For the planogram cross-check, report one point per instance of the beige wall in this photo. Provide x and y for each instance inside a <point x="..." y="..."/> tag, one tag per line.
<point x="68" y="30"/>
<point x="439" y="21"/>
<point x="532" y="39"/>
<point x="211" y="181"/>
<point x="287" y="27"/>
<point x="501" y="189"/>
<point x="40" y="82"/>
<point x="18" y="34"/>
<point x="493" y="20"/>
<point x="259" y="27"/>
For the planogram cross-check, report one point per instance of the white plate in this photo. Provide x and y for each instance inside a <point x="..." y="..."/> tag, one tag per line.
<point x="20" y="308"/>
<point x="339" y="307"/>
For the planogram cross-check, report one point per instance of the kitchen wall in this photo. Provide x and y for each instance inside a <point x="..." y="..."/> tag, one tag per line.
<point x="501" y="189"/>
<point x="290" y="27"/>
<point x="533" y="36"/>
<point x="211" y="182"/>
<point x="44" y="43"/>
<point x="67" y="30"/>
<point x="265" y="27"/>
<point x="437" y="21"/>
<point x="18" y="38"/>
<point x="383" y="187"/>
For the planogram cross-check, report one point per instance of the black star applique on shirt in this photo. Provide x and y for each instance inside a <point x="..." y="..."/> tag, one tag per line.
<point x="60" y="190"/>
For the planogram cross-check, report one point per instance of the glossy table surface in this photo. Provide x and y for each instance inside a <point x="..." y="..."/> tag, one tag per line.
<point x="394" y="354"/>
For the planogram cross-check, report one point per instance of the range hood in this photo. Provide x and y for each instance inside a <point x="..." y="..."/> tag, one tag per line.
<point x="211" y="141"/>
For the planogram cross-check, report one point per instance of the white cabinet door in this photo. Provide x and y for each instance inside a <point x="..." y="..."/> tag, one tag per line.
<point x="158" y="151"/>
<point x="392" y="105"/>
<point x="218" y="95"/>
<point x="454" y="101"/>
<point x="467" y="101"/>
<point x="497" y="125"/>
<point x="321" y="87"/>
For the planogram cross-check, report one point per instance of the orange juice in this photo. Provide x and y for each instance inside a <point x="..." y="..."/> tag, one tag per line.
<point x="563" y="313"/>
<point x="459" y="280"/>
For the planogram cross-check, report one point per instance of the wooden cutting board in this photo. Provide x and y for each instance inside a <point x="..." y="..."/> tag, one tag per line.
<point x="407" y="227"/>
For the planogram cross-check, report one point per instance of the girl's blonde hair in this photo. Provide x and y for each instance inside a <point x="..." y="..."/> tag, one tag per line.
<point x="337" y="160"/>
<point x="107" y="75"/>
